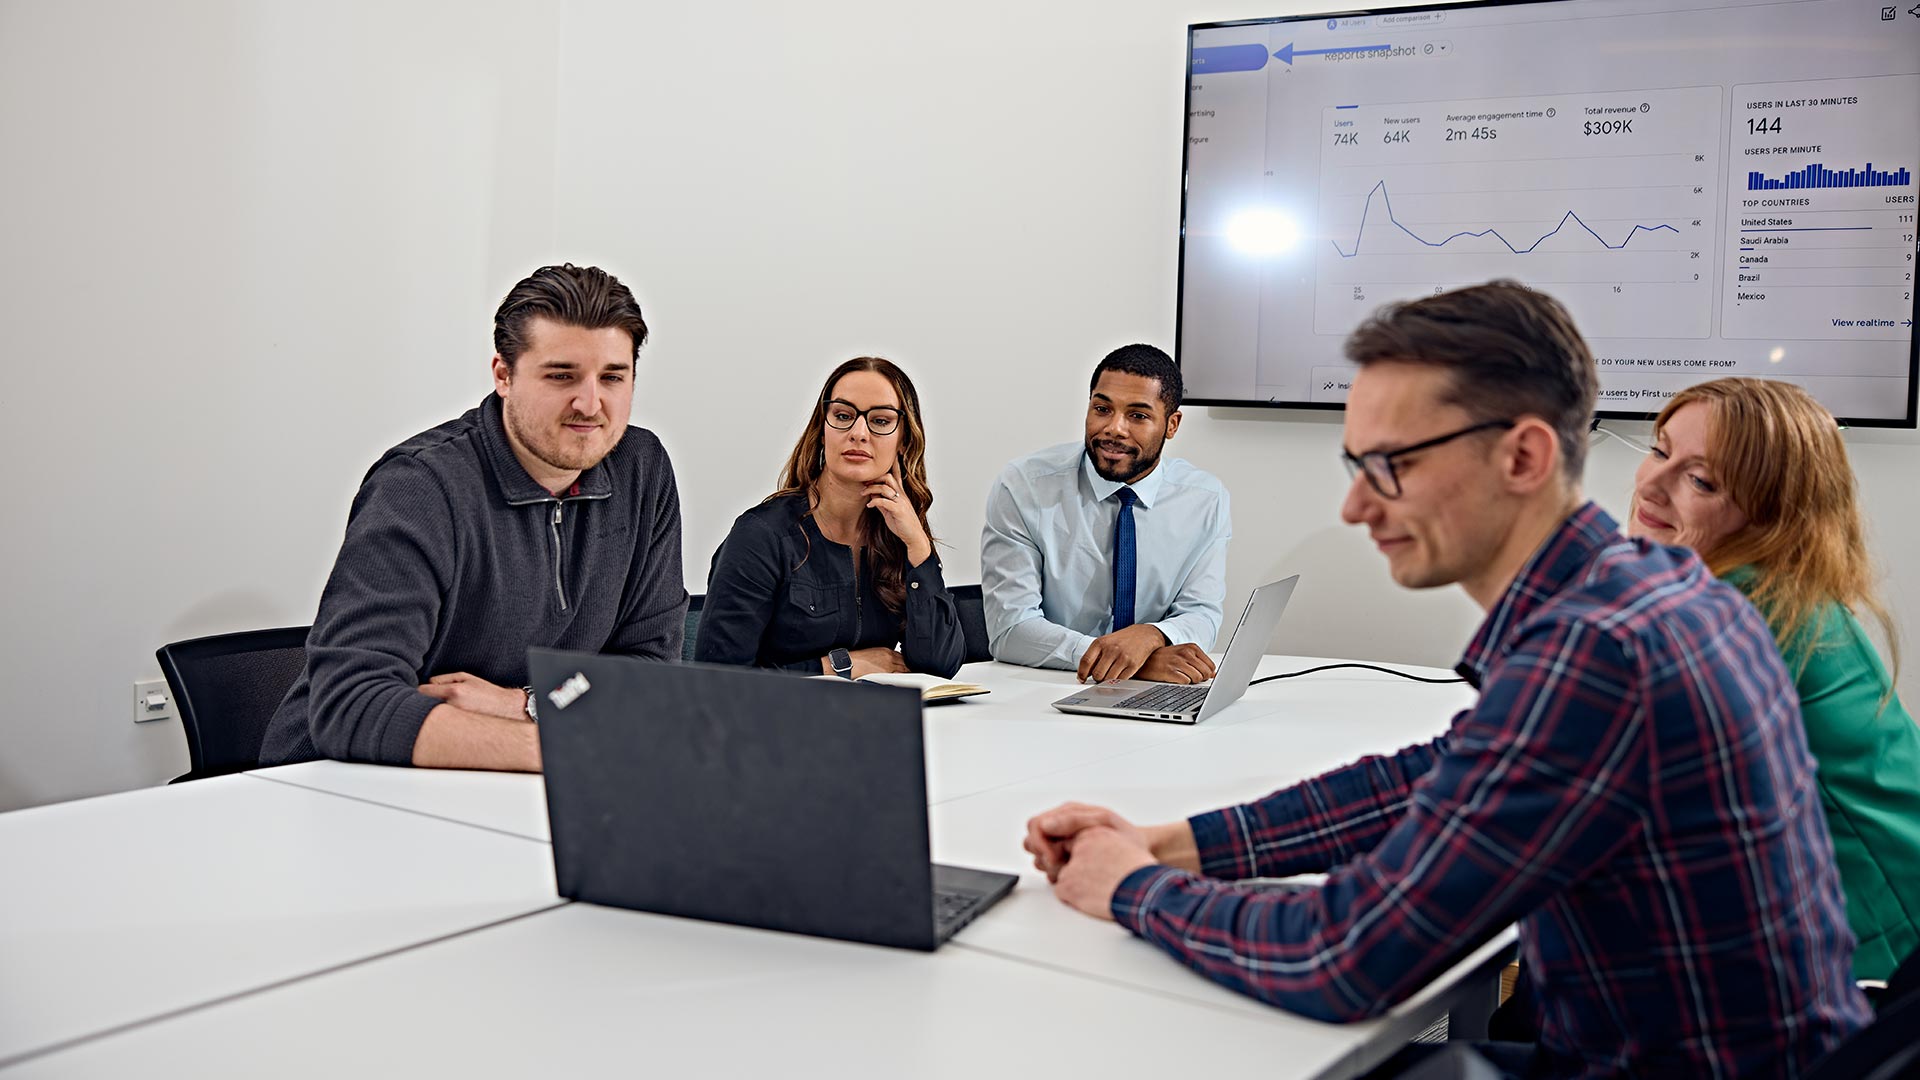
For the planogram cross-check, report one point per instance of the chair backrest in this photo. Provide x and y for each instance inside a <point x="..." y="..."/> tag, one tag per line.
<point x="694" y="603"/>
<point x="1889" y="1048"/>
<point x="226" y="688"/>
<point x="973" y="621"/>
<point x="1904" y="982"/>
<point x="1455" y="1061"/>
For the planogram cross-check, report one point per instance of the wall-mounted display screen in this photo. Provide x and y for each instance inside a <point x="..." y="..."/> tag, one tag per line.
<point x="1711" y="187"/>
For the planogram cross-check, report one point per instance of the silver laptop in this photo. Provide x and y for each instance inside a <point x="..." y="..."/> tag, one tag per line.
<point x="1137" y="699"/>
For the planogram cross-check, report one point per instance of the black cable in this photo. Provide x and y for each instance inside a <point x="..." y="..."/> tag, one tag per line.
<point x="1366" y="667"/>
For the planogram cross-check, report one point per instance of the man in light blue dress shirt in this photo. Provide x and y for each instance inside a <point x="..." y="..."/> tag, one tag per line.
<point x="1066" y="525"/>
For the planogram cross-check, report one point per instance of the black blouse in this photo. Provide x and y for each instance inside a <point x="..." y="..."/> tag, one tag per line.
<point x="780" y="594"/>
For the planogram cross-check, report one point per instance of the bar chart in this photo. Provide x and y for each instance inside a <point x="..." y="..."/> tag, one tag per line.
<point x="1822" y="248"/>
<point x="1817" y="175"/>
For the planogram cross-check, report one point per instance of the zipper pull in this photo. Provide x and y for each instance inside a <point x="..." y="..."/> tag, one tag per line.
<point x="556" y="513"/>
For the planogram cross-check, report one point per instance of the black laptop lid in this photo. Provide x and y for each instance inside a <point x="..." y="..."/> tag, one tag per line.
<point x="737" y="795"/>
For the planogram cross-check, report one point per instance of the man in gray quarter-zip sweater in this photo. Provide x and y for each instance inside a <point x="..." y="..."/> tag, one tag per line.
<point x="538" y="518"/>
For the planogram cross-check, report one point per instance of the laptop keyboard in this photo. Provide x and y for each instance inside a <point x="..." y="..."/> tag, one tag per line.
<point x="953" y="910"/>
<point x="1165" y="699"/>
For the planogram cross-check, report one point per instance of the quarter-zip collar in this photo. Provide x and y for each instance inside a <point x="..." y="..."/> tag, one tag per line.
<point x="516" y="487"/>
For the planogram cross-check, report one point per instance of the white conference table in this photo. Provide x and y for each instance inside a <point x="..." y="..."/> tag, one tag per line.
<point x="126" y="907"/>
<point x="1030" y="985"/>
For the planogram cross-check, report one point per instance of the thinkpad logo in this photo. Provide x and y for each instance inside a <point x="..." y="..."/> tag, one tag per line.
<point x="568" y="692"/>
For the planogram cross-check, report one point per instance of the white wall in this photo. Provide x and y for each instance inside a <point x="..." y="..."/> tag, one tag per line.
<point x="275" y="233"/>
<point x="247" y="247"/>
<point x="991" y="199"/>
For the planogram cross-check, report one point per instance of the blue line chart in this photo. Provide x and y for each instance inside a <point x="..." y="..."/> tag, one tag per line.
<point x="1386" y="198"/>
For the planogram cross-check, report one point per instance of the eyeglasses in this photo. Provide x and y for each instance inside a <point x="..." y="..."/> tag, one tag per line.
<point x="1378" y="465"/>
<point x="881" y="419"/>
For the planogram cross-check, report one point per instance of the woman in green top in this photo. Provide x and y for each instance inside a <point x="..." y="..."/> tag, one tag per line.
<point x="1753" y="475"/>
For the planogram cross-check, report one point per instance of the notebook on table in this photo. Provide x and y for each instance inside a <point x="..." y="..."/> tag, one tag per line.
<point x="934" y="690"/>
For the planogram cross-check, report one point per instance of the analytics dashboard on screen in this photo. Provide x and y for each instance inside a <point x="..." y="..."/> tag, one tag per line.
<point x="1711" y="188"/>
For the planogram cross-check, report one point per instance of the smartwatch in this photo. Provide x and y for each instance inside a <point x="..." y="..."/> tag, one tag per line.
<point x="533" y="711"/>
<point x="842" y="663"/>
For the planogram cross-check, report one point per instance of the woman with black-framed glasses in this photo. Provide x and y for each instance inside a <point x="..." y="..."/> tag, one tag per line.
<point x="835" y="572"/>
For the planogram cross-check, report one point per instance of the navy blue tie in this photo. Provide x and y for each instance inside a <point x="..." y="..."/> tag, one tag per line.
<point x="1123" y="563"/>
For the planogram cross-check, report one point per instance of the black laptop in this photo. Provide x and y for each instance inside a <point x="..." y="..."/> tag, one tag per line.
<point x="748" y="797"/>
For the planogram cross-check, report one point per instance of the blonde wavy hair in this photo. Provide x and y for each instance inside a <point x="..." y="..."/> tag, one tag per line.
<point x="1779" y="456"/>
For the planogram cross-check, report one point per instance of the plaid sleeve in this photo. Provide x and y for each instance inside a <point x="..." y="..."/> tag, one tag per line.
<point x="1314" y="825"/>
<point x="1542" y="781"/>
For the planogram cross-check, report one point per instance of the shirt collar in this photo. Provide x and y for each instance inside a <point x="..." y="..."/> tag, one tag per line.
<point x="1146" y="489"/>
<point x="516" y="487"/>
<point x="1567" y="551"/>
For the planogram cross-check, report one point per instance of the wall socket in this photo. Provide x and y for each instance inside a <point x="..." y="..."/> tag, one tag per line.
<point x="153" y="700"/>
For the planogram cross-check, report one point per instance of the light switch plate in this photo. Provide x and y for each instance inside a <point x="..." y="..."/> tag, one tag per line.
<point x="148" y="693"/>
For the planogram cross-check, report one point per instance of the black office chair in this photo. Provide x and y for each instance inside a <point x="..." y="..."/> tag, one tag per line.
<point x="1889" y="1048"/>
<point x="973" y="621"/>
<point x="1904" y="983"/>
<point x="1456" y="1061"/>
<point x="226" y="688"/>
<point x="694" y="604"/>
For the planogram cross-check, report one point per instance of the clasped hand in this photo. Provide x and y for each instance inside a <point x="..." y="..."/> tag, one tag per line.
<point x="1141" y="652"/>
<point x="1086" y="852"/>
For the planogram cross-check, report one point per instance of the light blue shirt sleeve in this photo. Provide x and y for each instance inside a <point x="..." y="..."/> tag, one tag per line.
<point x="1194" y="616"/>
<point x="1011" y="572"/>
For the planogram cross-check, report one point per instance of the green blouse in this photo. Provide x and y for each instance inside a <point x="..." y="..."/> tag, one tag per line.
<point x="1869" y="776"/>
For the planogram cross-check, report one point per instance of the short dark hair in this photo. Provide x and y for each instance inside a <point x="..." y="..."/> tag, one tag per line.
<point x="1148" y="363"/>
<point x="583" y="296"/>
<point x="1511" y="352"/>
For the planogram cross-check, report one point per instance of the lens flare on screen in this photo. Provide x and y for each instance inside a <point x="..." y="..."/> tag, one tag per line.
<point x="1263" y="232"/>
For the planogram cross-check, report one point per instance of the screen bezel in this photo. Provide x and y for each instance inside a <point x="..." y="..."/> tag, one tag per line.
<point x="1910" y="421"/>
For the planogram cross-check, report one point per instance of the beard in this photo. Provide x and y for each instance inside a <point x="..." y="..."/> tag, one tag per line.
<point x="1127" y="470"/>
<point x="560" y="451"/>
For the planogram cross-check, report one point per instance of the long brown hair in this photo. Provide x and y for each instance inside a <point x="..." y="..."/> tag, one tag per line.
<point x="1779" y="455"/>
<point x="884" y="554"/>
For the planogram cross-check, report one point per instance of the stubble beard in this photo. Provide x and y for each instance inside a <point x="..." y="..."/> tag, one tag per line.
<point x="552" y="449"/>
<point x="1141" y="462"/>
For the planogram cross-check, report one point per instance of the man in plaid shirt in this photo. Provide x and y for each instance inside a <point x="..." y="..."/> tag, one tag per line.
<point x="1633" y="788"/>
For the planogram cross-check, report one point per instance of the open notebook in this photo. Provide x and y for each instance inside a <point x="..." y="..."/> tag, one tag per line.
<point x="933" y="689"/>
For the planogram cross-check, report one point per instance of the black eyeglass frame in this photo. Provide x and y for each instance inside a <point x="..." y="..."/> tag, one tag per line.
<point x="899" y="416"/>
<point x="1364" y="463"/>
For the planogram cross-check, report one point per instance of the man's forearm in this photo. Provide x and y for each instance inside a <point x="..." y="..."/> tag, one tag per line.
<point x="1315" y="825"/>
<point x="453" y="738"/>
<point x="1039" y="643"/>
<point x="1190" y="628"/>
<point x="1173" y="845"/>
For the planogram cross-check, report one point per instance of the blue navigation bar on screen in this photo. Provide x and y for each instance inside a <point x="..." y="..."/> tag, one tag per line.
<point x="1229" y="58"/>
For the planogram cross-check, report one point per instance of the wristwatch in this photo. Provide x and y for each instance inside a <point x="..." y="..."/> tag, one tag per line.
<point x="842" y="663"/>
<point x="533" y="711"/>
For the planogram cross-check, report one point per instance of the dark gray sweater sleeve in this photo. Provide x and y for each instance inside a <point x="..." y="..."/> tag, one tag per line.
<point x="377" y="618"/>
<point x="655" y="616"/>
<point x="931" y="638"/>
